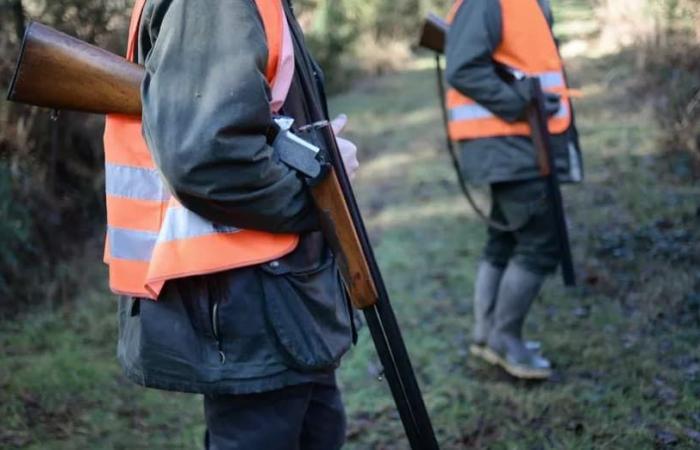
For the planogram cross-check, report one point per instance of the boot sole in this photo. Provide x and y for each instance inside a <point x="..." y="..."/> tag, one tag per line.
<point x="514" y="370"/>
<point x="480" y="352"/>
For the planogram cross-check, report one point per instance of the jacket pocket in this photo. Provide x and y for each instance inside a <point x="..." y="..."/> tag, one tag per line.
<point x="307" y="310"/>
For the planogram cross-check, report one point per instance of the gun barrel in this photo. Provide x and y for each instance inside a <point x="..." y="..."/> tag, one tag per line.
<point x="58" y="71"/>
<point x="543" y="145"/>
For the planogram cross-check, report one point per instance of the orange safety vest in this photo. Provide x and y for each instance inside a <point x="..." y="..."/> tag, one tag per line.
<point x="151" y="237"/>
<point x="527" y="45"/>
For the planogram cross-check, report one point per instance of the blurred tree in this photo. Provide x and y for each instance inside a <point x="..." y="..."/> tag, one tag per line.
<point x="51" y="197"/>
<point x="17" y="11"/>
<point x="349" y="37"/>
<point x="665" y="37"/>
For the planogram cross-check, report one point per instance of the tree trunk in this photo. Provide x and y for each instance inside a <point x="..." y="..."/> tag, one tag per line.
<point x="18" y="13"/>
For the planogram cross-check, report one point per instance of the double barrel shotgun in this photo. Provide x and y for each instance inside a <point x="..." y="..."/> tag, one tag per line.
<point x="433" y="37"/>
<point x="58" y="71"/>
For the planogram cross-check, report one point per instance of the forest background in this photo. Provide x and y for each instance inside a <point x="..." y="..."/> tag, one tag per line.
<point x="624" y="344"/>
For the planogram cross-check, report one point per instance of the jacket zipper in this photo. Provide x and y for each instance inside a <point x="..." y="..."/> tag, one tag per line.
<point x="215" y="330"/>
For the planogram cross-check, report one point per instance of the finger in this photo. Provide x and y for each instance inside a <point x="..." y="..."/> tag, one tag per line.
<point x="339" y="123"/>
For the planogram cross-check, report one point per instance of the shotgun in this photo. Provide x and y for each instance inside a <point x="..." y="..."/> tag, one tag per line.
<point x="433" y="37"/>
<point x="58" y="71"/>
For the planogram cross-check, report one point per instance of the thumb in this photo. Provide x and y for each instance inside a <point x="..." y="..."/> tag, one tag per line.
<point x="339" y="123"/>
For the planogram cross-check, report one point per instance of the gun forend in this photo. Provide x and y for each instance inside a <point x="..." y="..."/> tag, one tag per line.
<point x="58" y="71"/>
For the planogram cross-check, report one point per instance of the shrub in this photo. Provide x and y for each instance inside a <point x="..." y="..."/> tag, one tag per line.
<point x="665" y="35"/>
<point x="51" y="172"/>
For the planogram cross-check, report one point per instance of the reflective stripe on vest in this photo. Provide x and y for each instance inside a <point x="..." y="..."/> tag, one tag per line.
<point x="527" y="46"/>
<point x="151" y="238"/>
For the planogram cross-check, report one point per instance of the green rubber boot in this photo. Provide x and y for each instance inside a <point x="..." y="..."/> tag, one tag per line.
<point x="506" y="348"/>
<point x="488" y="277"/>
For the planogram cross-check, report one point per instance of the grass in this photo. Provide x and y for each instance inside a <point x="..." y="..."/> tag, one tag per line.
<point x="624" y="343"/>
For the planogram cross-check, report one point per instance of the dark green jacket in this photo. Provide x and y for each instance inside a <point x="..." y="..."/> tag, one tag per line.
<point x="474" y="36"/>
<point x="206" y="119"/>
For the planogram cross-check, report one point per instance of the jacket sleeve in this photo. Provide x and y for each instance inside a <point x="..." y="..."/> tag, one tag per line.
<point x="474" y="36"/>
<point x="206" y="117"/>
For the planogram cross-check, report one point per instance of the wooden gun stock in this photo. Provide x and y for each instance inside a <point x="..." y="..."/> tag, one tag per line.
<point x="434" y="33"/>
<point x="339" y="229"/>
<point x="61" y="72"/>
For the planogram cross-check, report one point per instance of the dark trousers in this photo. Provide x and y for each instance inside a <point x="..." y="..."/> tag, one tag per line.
<point x="302" y="417"/>
<point x="534" y="244"/>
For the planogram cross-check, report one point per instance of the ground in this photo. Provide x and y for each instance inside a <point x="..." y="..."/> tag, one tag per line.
<point x="624" y="343"/>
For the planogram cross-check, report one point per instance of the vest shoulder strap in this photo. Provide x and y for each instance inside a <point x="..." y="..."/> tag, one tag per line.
<point x="136" y="14"/>
<point x="271" y="13"/>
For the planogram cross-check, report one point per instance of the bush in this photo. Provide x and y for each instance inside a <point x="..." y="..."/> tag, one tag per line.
<point x="352" y="38"/>
<point x="674" y="77"/>
<point x="665" y="35"/>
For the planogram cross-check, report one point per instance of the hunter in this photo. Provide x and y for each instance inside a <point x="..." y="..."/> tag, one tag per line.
<point x="228" y="289"/>
<point x="490" y="46"/>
